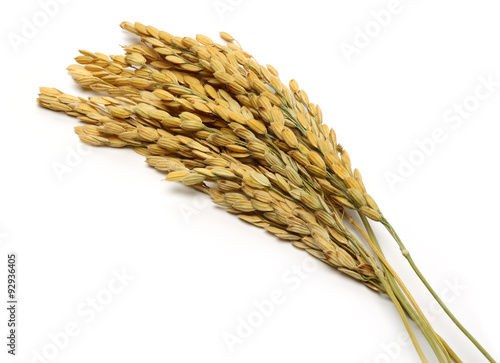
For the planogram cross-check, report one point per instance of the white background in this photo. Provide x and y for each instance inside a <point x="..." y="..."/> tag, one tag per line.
<point x="196" y="268"/>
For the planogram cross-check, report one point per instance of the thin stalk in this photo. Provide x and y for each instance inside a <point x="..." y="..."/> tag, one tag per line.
<point x="388" y="290"/>
<point x="380" y="255"/>
<point x="429" y="334"/>
<point x="453" y="355"/>
<point x="402" y="314"/>
<point x="419" y="319"/>
<point x="407" y="255"/>
<point x="391" y="295"/>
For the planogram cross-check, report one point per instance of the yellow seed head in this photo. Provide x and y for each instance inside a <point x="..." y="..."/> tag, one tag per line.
<point x="227" y="37"/>
<point x="294" y="86"/>
<point x="177" y="175"/>
<point x="370" y="213"/>
<point x="289" y="137"/>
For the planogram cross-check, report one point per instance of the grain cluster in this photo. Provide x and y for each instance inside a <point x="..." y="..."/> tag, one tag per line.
<point x="210" y="116"/>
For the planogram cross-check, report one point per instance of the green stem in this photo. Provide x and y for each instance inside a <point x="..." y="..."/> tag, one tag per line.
<point x="430" y="335"/>
<point x="407" y="255"/>
<point x="402" y="314"/>
<point x="388" y="290"/>
<point x="402" y="286"/>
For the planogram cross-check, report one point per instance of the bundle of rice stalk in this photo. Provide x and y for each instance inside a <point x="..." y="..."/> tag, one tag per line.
<point x="213" y="118"/>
